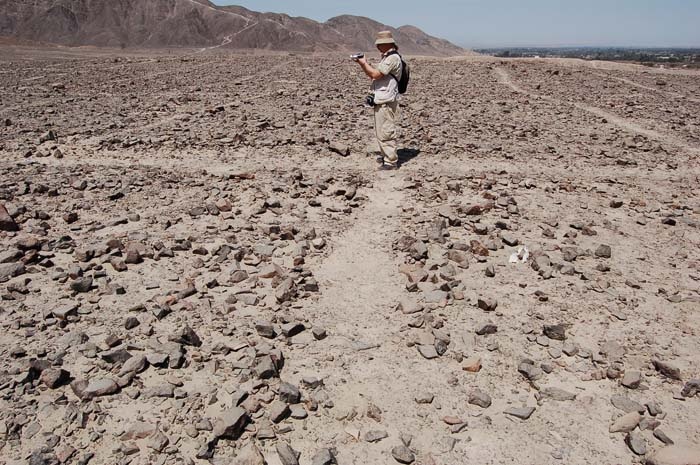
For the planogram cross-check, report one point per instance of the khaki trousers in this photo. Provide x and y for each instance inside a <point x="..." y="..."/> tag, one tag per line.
<point x="385" y="116"/>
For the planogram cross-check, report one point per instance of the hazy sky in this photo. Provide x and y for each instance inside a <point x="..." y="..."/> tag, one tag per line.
<point x="476" y="23"/>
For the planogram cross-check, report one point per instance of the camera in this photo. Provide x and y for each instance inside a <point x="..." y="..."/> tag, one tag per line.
<point x="357" y="56"/>
<point x="369" y="101"/>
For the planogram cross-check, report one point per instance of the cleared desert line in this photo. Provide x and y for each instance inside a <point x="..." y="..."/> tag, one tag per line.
<point x="505" y="79"/>
<point x="652" y="89"/>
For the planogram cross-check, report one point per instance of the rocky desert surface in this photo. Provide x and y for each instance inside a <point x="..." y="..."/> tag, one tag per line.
<point x="199" y="262"/>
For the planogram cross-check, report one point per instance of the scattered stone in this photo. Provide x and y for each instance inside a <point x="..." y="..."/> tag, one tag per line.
<point x="626" y="405"/>
<point x="425" y="398"/>
<point x="626" y="423"/>
<point x="7" y="223"/>
<point x="131" y="323"/>
<point x="487" y="329"/>
<point x="375" y="435"/>
<point x="632" y="379"/>
<point x="319" y="333"/>
<point x="668" y="370"/>
<point x="409" y="307"/>
<point x="279" y="410"/>
<point x="11" y="270"/>
<point x="158" y="442"/>
<point x="524" y="413"/>
<point x="472" y="364"/>
<point x="663" y="437"/>
<point x="249" y="455"/>
<point x="231" y="423"/>
<point x="480" y="398"/>
<point x="557" y="394"/>
<point x="186" y="336"/>
<point x="691" y="388"/>
<point x="339" y="148"/>
<point x="288" y="393"/>
<point x="603" y="251"/>
<point x="556" y="332"/>
<point x="428" y="352"/>
<point x="54" y="378"/>
<point x="528" y="369"/>
<point x="82" y="285"/>
<point x="636" y="443"/>
<point x="98" y="388"/>
<point x="287" y="455"/>
<point x="487" y="305"/>
<point x="265" y="329"/>
<point x="292" y="329"/>
<point x="403" y="454"/>
<point x="323" y="457"/>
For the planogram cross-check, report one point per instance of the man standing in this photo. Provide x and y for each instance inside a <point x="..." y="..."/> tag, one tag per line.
<point x="385" y="88"/>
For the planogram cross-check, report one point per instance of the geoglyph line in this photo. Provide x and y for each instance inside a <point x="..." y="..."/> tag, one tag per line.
<point x="505" y="79"/>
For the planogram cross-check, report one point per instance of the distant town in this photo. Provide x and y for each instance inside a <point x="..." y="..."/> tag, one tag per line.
<point x="656" y="57"/>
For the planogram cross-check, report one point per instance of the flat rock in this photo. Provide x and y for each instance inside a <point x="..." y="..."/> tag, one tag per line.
<point x="409" y="307"/>
<point x="286" y="454"/>
<point x="487" y="304"/>
<point x="626" y="404"/>
<point x="100" y="387"/>
<point x="636" y="443"/>
<point x="556" y="332"/>
<point x="54" y="378"/>
<point x="691" y="388"/>
<point x="278" y="411"/>
<point x="230" y="423"/>
<point x="186" y="336"/>
<point x="428" y="352"/>
<point x="472" y="364"/>
<point x="11" y="270"/>
<point x="480" y="398"/>
<point x="524" y="413"/>
<point x="403" y="454"/>
<point x="288" y="393"/>
<point x="626" y="423"/>
<point x="248" y="455"/>
<point x="323" y="457"/>
<point x="632" y="379"/>
<point x="557" y="394"/>
<point x="375" y="435"/>
<point x="667" y="369"/>
<point x="7" y="223"/>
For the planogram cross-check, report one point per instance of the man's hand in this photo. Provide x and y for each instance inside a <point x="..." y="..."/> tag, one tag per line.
<point x="369" y="70"/>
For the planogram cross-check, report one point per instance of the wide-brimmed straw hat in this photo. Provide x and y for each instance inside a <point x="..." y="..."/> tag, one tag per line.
<point x="384" y="37"/>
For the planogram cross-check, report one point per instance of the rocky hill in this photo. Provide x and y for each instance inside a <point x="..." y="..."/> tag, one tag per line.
<point x="197" y="23"/>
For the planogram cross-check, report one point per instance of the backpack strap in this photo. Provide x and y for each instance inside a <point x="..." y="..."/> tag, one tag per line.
<point x="394" y="52"/>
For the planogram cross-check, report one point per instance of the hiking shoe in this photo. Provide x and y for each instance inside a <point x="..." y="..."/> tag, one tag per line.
<point x="386" y="167"/>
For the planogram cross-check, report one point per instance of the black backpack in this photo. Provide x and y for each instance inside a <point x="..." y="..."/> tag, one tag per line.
<point x="405" y="74"/>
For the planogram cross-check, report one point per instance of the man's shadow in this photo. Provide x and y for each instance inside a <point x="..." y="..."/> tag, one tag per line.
<point x="406" y="155"/>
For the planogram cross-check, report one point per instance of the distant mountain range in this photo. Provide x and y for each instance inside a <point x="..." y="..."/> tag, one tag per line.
<point x="198" y="23"/>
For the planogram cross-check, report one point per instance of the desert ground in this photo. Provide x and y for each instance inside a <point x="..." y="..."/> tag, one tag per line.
<point x="199" y="262"/>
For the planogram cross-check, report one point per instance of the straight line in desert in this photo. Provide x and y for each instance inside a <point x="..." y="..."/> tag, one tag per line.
<point x="505" y="79"/>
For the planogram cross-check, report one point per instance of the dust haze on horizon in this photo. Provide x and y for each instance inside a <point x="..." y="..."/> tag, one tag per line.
<point x="514" y="23"/>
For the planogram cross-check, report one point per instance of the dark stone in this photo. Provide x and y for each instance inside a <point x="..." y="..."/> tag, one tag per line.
<point x="667" y="370"/>
<point x="186" y="336"/>
<point x="289" y="393"/>
<point x="556" y="332"/>
<point x="487" y="329"/>
<point x="7" y="223"/>
<point x="82" y="285"/>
